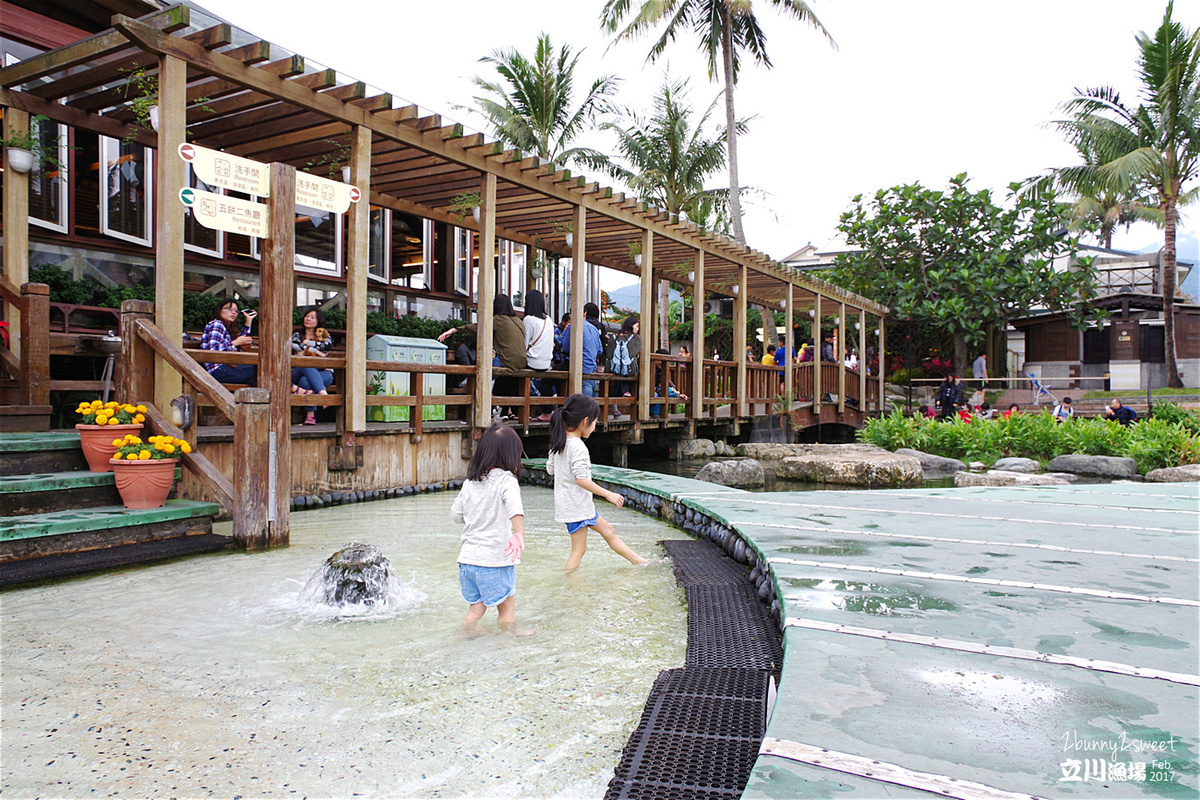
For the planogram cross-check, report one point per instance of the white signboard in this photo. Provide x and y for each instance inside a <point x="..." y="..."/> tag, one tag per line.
<point x="228" y="171"/>
<point x="228" y="214"/>
<point x="322" y="194"/>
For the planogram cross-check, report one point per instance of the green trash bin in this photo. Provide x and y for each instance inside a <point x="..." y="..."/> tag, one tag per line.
<point x="405" y="350"/>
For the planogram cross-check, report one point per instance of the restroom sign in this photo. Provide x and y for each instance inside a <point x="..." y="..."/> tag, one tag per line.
<point x="227" y="171"/>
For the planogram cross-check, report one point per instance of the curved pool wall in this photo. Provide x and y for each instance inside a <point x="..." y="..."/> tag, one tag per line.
<point x="978" y="643"/>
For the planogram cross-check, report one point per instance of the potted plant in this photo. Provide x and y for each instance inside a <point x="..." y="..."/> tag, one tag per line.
<point x="635" y="252"/>
<point x="23" y="150"/>
<point x="145" y="471"/>
<point x="566" y="228"/>
<point x="466" y="203"/>
<point x="102" y="422"/>
<point x="142" y="92"/>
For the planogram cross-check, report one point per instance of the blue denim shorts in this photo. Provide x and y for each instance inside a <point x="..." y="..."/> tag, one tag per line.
<point x="488" y="585"/>
<point x="576" y="527"/>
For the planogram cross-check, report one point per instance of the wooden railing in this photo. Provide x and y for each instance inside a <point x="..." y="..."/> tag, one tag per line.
<point x="32" y="369"/>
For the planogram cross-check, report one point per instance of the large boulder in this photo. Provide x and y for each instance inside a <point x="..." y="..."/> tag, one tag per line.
<point x="696" y="448"/>
<point x="1102" y="466"/>
<point x="857" y="465"/>
<point x="1027" y="465"/>
<point x="996" y="477"/>
<point x="734" y="472"/>
<point x="358" y="574"/>
<point x="1187" y="472"/>
<point x="768" y="451"/>
<point x="932" y="463"/>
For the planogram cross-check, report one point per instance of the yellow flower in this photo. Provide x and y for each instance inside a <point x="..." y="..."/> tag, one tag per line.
<point x="141" y="409"/>
<point x="139" y="419"/>
<point x="185" y="447"/>
<point x="111" y="404"/>
<point x="114" y="421"/>
<point x="131" y="457"/>
<point x="168" y="448"/>
<point x="96" y="404"/>
<point x="144" y="455"/>
<point x="101" y="419"/>
<point x="131" y="439"/>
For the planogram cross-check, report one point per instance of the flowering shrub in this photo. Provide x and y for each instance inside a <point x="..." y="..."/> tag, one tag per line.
<point x="131" y="448"/>
<point x="111" y="413"/>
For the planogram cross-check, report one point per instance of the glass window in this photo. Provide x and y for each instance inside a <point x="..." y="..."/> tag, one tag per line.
<point x="126" y="190"/>
<point x="318" y="241"/>
<point x="379" y="242"/>
<point x="196" y="237"/>
<point x="517" y="275"/>
<point x="48" y="183"/>
<point x="462" y="260"/>
<point x="412" y="249"/>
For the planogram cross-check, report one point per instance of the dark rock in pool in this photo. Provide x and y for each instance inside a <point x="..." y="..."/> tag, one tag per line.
<point x="358" y="574"/>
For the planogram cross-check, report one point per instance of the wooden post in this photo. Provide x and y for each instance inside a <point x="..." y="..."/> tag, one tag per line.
<point x="740" y="407"/>
<point x="275" y="352"/>
<point x="789" y="367"/>
<point x="137" y="357"/>
<point x="170" y="177"/>
<point x="698" y="338"/>
<point x="486" y="293"/>
<point x="251" y="464"/>
<point x="16" y="227"/>
<point x="578" y="275"/>
<point x="862" y="361"/>
<point x="818" y="344"/>
<point x="839" y="356"/>
<point x="882" y="365"/>
<point x="354" y="413"/>
<point x="35" y="344"/>
<point x="646" y="367"/>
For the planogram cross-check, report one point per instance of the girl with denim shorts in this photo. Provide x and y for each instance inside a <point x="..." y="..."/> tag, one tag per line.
<point x="571" y="465"/>
<point x="493" y="536"/>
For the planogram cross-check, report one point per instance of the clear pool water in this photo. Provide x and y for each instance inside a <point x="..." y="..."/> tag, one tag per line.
<point x="211" y="677"/>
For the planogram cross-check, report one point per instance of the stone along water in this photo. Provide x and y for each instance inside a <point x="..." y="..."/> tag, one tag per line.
<point x="215" y="676"/>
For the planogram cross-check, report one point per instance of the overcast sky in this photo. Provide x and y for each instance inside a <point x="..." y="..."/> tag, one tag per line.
<point x="915" y="91"/>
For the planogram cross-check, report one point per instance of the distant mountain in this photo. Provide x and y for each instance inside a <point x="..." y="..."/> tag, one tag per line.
<point x="630" y="297"/>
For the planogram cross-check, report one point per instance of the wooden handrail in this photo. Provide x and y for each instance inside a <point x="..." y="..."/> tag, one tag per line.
<point x="9" y="292"/>
<point x="195" y="461"/>
<point x="183" y="363"/>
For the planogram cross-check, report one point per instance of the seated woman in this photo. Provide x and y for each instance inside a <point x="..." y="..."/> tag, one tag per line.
<point x="312" y="340"/>
<point x="508" y="343"/>
<point x="218" y="336"/>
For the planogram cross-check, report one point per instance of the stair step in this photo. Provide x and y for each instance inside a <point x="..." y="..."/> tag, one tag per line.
<point x="24" y="418"/>
<point x="56" y="491"/>
<point x="65" y="565"/>
<point x="103" y="518"/>
<point x="52" y="451"/>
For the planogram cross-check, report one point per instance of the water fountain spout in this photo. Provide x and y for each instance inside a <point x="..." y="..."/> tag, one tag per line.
<point x="358" y="574"/>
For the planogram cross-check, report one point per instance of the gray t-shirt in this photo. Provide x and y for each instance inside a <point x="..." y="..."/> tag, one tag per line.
<point x="572" y="503"/>
<point x="486" y="509"/>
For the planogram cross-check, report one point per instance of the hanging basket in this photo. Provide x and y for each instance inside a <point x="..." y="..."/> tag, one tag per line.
<point x="19" y="159"/>
<point x="144" y="484"/>
<point x="97" y="443"/>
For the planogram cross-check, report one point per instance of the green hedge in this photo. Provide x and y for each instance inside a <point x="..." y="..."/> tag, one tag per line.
<point x="1171" y="438"/>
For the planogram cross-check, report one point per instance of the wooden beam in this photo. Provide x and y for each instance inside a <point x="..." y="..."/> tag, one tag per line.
<point x="698" y="337"/>
<point x="646" y="288"/>
<point x="740" y="309"/>
<point x="170" y="177"/>
<point x="15" y="205"/>
<point x="839" y="357"/>
<point x="485" y="341"/>
<point x="357" y="270"/>
<point x="789" y="373"/>
<point x="578" y="274"/>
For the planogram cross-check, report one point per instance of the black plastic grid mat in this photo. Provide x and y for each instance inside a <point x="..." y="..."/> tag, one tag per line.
<point x="729" y="628"/>
<point x="697" y="739"/>
<point x="702" y="563"/>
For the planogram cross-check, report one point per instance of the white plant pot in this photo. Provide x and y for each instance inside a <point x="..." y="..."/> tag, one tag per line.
<point x="345" y="174"/>
<point x="475" y="214"/>
<point x="637" y="260"/>
<point x="570" y="239"/>
<point x="20" y="160"/>
<point x="152" y="112"/>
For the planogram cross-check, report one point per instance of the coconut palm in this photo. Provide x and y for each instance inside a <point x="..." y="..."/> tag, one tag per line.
<point x="726" y="29"/>
<point x="532" y="108"/>
<point x="1153" y="148"/>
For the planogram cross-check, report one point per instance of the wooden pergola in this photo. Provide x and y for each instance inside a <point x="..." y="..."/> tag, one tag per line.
<point x="251" y="100"/>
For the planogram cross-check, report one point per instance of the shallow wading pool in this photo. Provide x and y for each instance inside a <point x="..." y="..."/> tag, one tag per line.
<point x="209" y="676"/>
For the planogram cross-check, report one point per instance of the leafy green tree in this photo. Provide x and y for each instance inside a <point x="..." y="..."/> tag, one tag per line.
<point x="961" y="263"/>
<point x="532" y="107"/>
<point x="1153" y="148"/>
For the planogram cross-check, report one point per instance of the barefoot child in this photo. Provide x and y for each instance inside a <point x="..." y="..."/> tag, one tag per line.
<point x="571" y="466"/>
<point x="493" y="537"/>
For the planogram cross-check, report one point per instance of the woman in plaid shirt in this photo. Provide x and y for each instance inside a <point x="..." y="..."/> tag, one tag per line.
<point x="218" y="336"/>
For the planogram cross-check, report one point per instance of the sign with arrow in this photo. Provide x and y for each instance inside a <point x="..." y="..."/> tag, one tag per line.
<point x="322" y="194"/>
<point x="228" y="171"/>
<point x="221" y="213"/>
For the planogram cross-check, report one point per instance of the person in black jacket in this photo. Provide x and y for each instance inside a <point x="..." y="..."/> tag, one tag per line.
<point x="949" y="397"/>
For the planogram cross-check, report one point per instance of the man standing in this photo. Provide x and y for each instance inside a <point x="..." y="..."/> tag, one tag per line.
<point x="827" y="353"/>
<point x="979" y="370"/>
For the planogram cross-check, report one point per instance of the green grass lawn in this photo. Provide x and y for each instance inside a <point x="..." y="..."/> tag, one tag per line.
<point x="1096" y="394"/>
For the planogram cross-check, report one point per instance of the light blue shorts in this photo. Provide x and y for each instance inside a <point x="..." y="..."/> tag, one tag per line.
<point x="576" y="527"/>
<point x="488" y="585"/>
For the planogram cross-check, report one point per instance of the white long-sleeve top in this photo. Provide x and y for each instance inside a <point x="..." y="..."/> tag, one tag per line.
<point x="486" y="508"/>
<point x="539" y="342"/>
<point x="572" y="503"/>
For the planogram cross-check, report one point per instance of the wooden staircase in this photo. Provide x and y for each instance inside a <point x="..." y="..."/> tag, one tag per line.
<point x="59" y="519"/>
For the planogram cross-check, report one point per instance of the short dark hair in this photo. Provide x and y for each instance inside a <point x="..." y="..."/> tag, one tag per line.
<point x="499" y="448"/>
<point x="1066" y="399"/>
<point x="320" y="316"/>
<point x="591" y="310"/>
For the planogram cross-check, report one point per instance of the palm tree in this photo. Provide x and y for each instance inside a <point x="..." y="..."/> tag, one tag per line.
<point x="531" y="109"/>
<point x="665" y="160"/>
<point x="1154" y="148"/>
<point x="726" y="29"/>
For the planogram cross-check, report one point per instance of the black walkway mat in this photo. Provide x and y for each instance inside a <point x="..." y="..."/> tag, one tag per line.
<point x="702" y="563"/>
<point x="697" y="739"/>
<point x="729" y="628"/>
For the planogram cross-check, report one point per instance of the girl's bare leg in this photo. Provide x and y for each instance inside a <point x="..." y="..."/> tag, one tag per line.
<point x="508" y="618"/>
<point x="605" y="529"/>
<point x="474" y="613"/>
<point x="578" y="548"/>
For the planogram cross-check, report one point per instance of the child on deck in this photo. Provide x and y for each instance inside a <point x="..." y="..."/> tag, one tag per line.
<point x="571" y="466"/>
<point x="493" y="536"/>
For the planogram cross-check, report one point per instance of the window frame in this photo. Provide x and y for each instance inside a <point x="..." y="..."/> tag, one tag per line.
<point x="103" y="145"/>
<point x="64" y="188"/>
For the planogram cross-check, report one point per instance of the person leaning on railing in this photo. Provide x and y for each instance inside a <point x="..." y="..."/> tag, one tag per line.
<point x="218" y="336"/>
<point x="508" y="342"/>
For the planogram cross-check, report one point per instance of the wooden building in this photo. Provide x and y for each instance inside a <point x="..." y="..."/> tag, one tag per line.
<point x="113" y="213"/>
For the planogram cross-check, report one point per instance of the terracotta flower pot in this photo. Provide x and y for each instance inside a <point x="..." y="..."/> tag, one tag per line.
<point x="97" y="443"/>
<point x="144" y="484"/>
